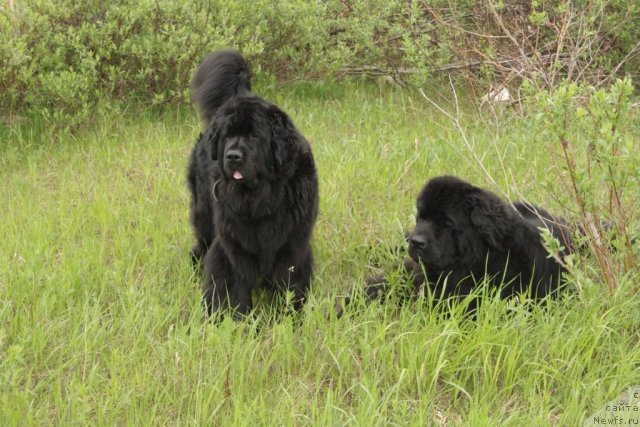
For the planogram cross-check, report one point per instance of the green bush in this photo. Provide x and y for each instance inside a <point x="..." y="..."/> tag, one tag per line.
<point x="592" y="137"/>
<point x="61" y="59"/>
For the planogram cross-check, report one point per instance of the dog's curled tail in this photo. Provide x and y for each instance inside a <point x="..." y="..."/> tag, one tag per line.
<point x="221" y="76"/>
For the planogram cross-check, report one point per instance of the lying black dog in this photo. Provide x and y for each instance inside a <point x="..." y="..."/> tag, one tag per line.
<point x="465" y="234"/>
<point x="254" y="190"/>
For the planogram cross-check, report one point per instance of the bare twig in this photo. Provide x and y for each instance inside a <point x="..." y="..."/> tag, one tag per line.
<point x="630" y="55"/>
<point x="504" y="28"/>
<point x="470" y="148"/>
<point x="381" y="71"/>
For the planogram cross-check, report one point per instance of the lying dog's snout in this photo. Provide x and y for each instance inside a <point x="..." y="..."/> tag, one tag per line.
<point x="234" y="156"/>
<point x="418" y="242"/>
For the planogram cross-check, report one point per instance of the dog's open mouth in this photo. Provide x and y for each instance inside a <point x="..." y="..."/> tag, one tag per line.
<point x="237" y="175"/>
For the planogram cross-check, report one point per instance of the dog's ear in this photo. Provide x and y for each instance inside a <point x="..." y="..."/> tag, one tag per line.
<point x="285" y="143"/>
<point x="212" y="135"/>
<point x="469" y="241"/>
<point x="491" y="218"/>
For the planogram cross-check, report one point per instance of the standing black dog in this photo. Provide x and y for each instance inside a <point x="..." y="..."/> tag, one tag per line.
<point x="254" y="190"/>
<point x="465" y="234"/>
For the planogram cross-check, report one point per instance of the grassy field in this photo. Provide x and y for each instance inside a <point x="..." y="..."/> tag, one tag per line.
<point x="100" y="315"/>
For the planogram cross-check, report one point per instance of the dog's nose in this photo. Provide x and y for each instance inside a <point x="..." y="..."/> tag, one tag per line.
<point x="417" y="242"/>
<point x="234" y="156"/>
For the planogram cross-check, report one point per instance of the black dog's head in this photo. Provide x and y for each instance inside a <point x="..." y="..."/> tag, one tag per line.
<point x="253" y="140"/>
<point x="457" y="224"/>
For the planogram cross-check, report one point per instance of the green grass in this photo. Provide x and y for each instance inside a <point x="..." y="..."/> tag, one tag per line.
<point x="100" y="315"/>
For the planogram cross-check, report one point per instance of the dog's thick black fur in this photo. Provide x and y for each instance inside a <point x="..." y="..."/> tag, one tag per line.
<point x="465" y="234"/>
<point x="254" y="190"/>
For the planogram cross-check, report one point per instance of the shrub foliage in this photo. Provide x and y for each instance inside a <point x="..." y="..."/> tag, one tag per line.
<point x="592" y="141"/>
<point x="61" y="58"/>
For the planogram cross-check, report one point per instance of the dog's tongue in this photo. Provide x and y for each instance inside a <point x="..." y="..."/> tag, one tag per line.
<point x="237" y="175"/>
